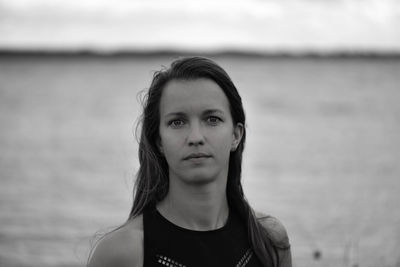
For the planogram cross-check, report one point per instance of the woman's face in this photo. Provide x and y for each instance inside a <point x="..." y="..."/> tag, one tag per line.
<point x="196" y="131"/>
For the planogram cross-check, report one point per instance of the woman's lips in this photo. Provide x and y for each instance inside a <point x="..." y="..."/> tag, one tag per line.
<point x="197" y="156"/>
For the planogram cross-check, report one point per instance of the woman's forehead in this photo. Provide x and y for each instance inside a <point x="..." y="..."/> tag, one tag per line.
<point x="193" y="95"/>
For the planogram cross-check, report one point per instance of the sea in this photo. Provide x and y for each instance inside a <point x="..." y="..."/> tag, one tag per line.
<point x="322" y="152"/>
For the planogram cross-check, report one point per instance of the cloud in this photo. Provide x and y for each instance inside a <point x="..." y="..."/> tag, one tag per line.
<point x="209" y="24"/>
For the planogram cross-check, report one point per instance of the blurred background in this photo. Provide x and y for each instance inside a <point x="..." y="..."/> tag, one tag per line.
<point x="320" y="85"/>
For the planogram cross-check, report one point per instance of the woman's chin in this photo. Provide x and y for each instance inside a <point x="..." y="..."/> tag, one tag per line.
<point x="200" y="177"/>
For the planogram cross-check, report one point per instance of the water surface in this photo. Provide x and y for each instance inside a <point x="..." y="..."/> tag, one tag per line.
<point x="322" y="155"/>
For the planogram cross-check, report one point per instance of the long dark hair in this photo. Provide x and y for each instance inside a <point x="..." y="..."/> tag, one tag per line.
<point x="152" y="178"/>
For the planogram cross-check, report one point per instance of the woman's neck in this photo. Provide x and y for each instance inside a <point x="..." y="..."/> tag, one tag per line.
<point x="196" y="207"/>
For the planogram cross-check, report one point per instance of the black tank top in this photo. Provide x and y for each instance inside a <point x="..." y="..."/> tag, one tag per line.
<point x="166" y="244"/>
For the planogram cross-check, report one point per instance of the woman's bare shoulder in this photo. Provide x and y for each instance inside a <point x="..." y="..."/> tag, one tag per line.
<point x="275" y="229"/>
<point x="122" y="247"/>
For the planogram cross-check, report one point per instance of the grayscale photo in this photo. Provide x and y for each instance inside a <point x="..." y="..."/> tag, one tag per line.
<point x="199" y="133"/>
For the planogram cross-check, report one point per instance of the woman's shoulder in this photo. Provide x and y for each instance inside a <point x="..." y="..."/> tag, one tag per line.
<point x="275" y="229"/>
<point x="122" y="247"/>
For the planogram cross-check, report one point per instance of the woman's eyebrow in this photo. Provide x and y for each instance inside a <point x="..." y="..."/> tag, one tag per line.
<point x="205" y="112"/>
<point x="178" y="114"/>
<point x="213" y="111"/>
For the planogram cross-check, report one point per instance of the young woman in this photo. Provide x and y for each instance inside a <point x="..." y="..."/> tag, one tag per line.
<point x="189" y="208"/>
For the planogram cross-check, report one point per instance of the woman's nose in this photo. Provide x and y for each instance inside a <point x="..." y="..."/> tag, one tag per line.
<point x="195" y="136"/>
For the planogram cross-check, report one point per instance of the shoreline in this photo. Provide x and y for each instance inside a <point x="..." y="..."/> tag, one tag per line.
<point x="171" y="53"/>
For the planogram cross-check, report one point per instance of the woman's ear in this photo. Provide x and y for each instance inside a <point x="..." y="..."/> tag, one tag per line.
<point x="238" y="131"/>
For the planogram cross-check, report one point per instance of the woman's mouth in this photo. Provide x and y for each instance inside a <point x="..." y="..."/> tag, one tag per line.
<point x="197" y="156"/>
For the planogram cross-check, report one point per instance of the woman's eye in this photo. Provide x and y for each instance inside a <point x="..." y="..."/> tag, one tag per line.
<point x="213" y="120"/>
<point x="176" y="123"/>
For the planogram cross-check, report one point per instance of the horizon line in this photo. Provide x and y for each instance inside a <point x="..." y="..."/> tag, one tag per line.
<point x="187" y="52"/>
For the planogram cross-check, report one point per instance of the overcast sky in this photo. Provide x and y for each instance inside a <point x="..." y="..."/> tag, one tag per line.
<point x="261" y="25"/>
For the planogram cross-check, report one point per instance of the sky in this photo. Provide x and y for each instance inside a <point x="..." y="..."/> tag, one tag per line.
<point x="208" y="25"/>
